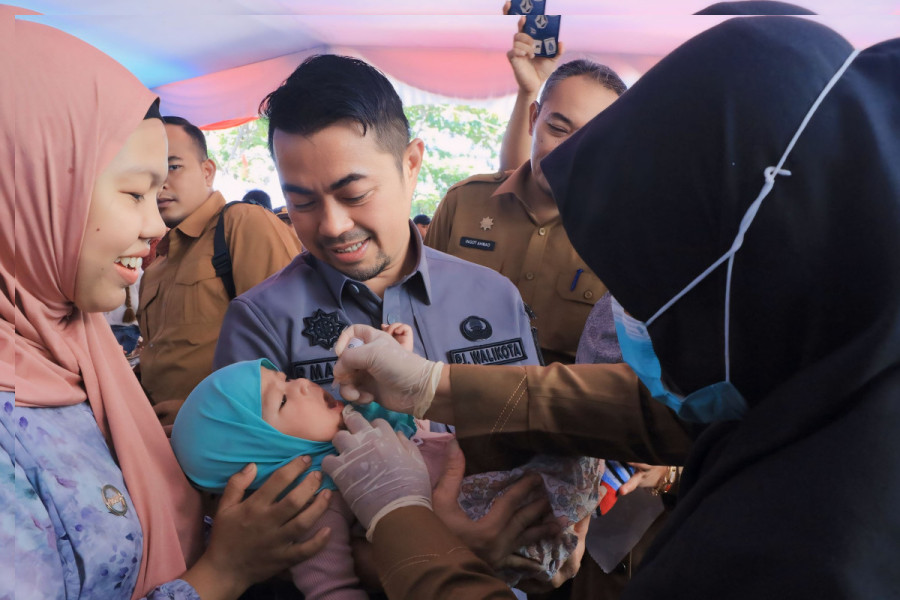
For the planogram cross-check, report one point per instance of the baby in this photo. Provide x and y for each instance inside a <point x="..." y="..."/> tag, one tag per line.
<point x="250" y="412"/>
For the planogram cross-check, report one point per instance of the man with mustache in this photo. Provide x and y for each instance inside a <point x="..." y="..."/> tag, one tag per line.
<point x="182" y="299"/>
<point x="341" y="146"/>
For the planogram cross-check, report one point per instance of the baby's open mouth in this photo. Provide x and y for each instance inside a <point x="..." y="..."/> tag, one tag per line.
<point x="330" y="401"/>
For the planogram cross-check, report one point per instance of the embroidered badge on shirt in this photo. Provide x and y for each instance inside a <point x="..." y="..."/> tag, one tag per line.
<point x="500" y="353"/>
<point x="475" y="328"/>
<point x="487" y="223"/>
<point x="323" y="328"/>
<point x="114" y="500"/>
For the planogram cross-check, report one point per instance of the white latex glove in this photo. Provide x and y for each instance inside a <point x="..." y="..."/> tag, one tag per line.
<point x="380" y="368"/>
<point x="377" y="470"/>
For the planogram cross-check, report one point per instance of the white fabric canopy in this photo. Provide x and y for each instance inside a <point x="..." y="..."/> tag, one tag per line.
<point x="212" y="61"/>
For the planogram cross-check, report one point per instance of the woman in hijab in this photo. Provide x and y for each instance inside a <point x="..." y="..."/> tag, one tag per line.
<point x="742" y="203"/>
<point x="101" y="508"/>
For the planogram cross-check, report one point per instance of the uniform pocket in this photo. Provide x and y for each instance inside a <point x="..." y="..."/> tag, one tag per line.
<point x="191" y="272"/>
<point x="199" y="293"/>
<point x="587" y="287"/>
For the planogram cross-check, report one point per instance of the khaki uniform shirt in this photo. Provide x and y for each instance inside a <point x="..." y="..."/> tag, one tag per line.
<point x="485" y="220"/>
<point x="183" y="302"/>
<point x="433" y="563"/>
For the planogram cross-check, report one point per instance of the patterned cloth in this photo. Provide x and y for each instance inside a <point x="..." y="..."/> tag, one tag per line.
<point x="599" y="342"/>
<point x="573" y="489"/>
<point x="68" y="544"/>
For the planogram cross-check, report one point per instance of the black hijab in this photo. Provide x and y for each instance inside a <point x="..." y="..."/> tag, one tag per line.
<point x="754" y="7"/>
<point x="800" y="498"/>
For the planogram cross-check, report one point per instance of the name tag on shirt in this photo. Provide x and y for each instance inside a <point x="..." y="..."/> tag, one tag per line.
<point x="318" y="371"/>
<point x="499" y="353"/>
<point x="467" y="242"/>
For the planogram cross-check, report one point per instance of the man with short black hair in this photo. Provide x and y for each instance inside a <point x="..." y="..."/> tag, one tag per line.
<point x="510" y="223"/>
<point x="182" y="299"/>
<point x="258" y="197"/>
<point x="422" y="222"/>
<point x="348" y="168"/>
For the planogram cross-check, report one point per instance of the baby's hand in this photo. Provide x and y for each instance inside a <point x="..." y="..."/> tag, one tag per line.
<point x="401" y="332"/>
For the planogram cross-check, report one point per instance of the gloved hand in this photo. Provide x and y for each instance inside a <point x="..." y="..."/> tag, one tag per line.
<point x="401" y="380"/>
<point x="378" y="470"/>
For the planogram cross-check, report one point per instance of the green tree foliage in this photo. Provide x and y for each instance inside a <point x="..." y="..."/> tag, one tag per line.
<point x="460" y="141"/>
<point x="243" y="153"/>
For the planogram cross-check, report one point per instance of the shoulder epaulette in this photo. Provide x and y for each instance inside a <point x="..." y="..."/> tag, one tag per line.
<point x="494" y="178"/>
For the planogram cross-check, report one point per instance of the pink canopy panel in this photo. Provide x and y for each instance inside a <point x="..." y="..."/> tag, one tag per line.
<point x="213" y="61"/>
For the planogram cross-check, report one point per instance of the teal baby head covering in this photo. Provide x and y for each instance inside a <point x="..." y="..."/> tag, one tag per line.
<point x="220" y="429"/>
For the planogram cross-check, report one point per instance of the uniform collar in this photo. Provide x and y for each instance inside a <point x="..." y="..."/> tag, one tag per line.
<point x="195" y="224"/>
<point x="420" y="278"/>
<point x="418" y="282"/>
<point x="515" y="185"/>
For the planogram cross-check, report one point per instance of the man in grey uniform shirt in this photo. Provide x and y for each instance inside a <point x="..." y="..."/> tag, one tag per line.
<point x="348" y="169"/>
<point x="340" y="142"/>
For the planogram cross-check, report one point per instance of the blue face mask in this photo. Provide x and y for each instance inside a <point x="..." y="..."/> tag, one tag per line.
<point x="720" y="401"/>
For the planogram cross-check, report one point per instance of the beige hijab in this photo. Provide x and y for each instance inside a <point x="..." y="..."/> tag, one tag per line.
<point x="74" y="109"/>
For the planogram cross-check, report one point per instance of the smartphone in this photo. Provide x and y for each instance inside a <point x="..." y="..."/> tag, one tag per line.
<point x="544" y="29"/>
<point x="527" y="7"/>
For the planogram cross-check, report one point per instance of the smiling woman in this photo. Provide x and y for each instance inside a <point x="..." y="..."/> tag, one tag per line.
<point x="77" y="410"/>
<point x="122" y="219"/>
<point x="93" y="468"/>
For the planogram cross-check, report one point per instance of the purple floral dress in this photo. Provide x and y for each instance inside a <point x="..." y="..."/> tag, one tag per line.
<point x="69" y="529"/>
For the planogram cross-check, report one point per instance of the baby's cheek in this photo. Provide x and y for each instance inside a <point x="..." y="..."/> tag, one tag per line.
<point x="338" y="422"/>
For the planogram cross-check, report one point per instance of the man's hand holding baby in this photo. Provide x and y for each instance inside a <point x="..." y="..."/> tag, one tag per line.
<point x="511" y="523"/>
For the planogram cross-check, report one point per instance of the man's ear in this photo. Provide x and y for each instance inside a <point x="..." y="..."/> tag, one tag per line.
<point x="533" y="112"/>
<point x="208" y="167"/>
<point x="412" y="160"/>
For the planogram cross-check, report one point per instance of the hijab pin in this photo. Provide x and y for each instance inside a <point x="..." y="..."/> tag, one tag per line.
<point x="114" y="500"/>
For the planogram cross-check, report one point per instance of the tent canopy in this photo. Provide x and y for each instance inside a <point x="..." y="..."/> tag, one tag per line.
<point x="213" y="61"/>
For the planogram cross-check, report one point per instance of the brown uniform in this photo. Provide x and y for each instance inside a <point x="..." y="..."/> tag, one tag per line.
<point x="485" y="220"/>
<point x="595" y="410"/>
<point x="183" y="302"/>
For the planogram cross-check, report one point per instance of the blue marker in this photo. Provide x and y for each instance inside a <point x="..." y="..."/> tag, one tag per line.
<point x="575" y="281"/>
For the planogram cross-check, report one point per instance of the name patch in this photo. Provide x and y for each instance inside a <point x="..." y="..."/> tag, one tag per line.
<point x="499" y="353"/>
<point x="467" y="242"/>
<point x="318" y="371"/>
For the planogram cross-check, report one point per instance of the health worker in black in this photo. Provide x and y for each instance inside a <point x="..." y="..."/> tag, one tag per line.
<point x="803" y="317"/>
<point x="743" y="198"/>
